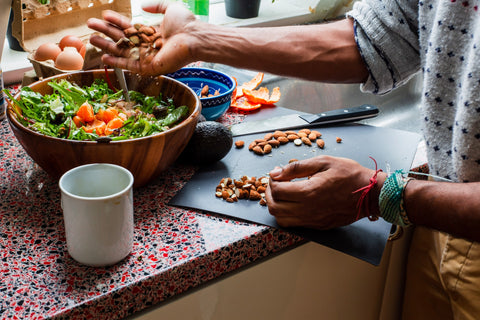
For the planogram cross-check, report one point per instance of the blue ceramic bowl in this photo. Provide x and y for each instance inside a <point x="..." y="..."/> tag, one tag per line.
<point x="196" y="78"/>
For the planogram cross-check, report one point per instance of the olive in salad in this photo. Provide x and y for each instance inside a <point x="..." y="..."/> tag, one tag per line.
<point x="95" y="112"/>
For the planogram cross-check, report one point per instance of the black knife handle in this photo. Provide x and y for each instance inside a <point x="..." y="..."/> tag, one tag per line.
<point x="350" y="114"/>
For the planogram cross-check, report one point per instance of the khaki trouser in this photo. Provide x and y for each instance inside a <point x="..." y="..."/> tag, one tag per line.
<point x="443" y="277"/>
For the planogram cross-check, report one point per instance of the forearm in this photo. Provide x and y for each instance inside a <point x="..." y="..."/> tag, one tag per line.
<point x="450" y="207"/>
<point x="324" y="52"/>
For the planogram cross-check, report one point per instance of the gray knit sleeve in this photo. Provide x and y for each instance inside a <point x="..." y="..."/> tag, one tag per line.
<point x="386" y="32"/>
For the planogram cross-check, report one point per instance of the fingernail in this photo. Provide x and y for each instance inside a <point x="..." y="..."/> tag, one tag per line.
<point x="275" y="172"/>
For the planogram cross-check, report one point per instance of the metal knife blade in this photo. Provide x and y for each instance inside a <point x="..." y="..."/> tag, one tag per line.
<point x="293" y="121"/>
<point x="123" y="84"/>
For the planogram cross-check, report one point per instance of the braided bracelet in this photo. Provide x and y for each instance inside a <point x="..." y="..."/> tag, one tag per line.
<point x="390" y="201"/>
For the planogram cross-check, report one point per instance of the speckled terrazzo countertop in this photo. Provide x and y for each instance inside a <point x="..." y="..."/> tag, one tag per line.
<point x="174" y="249"/>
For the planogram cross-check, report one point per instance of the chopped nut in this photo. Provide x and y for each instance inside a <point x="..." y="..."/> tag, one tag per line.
<point x="204" y="91"/>
<point x="261" y="189"/>
<point x="298" y="142"/>
<point x="339" y="140"/>
<point x="254" y="195"/>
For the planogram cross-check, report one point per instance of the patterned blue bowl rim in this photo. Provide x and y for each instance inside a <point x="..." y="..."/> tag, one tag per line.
<point x="207" y="74"/>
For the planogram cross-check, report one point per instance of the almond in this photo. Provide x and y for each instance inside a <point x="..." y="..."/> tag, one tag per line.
<point x="274" y="143"/>
<point x="239" y="144"/>
<point x="258" y="150"/>
<point x="317" y="133"/>
<point x="254" y="195"/>
<point x="283" y="140"/>
<point x="312" y="136"/>
<point x="267" y="149"/>
<point x="262" y="144"/>
<point x="268" y="136"/>
<point x="292" y="137"/>
<point x="338" y="140"/>
<point x="277" y="134"/>
<point x="261" y="189"/>
<point x="306" y="141"/>
<point x="306" y="131"/>
<point x="320" y="143"/>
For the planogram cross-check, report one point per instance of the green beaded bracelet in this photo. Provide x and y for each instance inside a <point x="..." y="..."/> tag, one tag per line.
<point x="390" y="201"/>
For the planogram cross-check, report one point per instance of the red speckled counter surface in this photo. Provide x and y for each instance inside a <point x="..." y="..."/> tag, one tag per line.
<point x="174" y="249"/>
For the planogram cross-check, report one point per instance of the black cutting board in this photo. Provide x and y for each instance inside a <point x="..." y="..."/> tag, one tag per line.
<point x="363" y="239"/>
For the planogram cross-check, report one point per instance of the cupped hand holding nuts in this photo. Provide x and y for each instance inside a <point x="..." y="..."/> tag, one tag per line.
<point x="144" y="49"/>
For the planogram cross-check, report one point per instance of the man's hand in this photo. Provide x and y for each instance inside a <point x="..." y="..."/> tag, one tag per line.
<point x="174" y="29"/>
<point x="320" y="192"/>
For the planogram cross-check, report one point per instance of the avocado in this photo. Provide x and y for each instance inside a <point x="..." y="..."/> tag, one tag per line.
<point x="210" y="142"/>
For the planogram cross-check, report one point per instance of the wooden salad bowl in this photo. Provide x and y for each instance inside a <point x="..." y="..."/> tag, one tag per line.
<point x="145" y="157"/>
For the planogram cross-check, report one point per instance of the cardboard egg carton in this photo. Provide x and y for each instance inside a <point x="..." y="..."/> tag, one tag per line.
<point x="35" y="23"/>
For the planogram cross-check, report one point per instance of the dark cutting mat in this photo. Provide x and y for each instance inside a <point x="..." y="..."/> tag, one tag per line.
<point x="363" y="239"/>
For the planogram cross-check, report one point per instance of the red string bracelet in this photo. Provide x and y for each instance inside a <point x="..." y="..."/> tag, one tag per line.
<point x="366" y="190"/>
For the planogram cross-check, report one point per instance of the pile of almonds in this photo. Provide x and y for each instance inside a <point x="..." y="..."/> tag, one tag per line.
<point x="250" y="188"/>
<point x="143" y="41"/>
<point x="277" y="138"/>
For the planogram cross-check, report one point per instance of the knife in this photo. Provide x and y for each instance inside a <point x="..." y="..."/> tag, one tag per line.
<point x="123" y="84"/>
<point x="292" y="121"/>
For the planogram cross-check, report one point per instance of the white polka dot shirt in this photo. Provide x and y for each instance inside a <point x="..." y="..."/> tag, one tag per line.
<point x="440" y="38"/>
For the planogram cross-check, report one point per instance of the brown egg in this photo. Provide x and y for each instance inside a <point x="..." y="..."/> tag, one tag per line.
<point x="47" y="51"/>
<point x="72" y="41"/>
<point x="69" y="59"/>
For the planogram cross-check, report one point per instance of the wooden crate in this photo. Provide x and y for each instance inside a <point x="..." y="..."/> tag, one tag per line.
<point x="35" y="24"/>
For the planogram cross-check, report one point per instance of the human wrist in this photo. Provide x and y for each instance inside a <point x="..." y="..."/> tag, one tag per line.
<point x="391" y="200"/>
<point x="373" y="203"/>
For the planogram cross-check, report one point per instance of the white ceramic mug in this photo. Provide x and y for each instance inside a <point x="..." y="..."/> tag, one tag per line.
<point x="97" y="203"/>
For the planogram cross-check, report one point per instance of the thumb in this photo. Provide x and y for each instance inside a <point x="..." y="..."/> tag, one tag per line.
<point x="154" y="6"/>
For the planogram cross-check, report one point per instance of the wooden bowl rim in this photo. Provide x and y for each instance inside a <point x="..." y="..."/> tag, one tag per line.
<point x="12" y="117"/>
